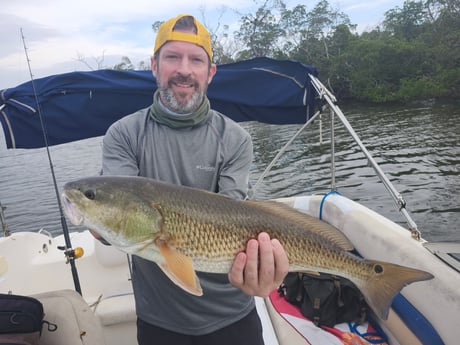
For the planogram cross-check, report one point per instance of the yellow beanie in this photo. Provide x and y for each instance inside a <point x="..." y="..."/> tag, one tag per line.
<point x="166" y="33"/>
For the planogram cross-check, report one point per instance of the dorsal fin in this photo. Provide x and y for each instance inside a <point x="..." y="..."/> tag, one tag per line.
<point x="310" y="223"/>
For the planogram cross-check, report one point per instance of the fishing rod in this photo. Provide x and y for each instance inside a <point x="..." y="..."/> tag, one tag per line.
<point x="71" y="254"/>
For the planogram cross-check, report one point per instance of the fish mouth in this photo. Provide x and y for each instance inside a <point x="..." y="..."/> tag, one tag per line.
<point x="75" y="217"/>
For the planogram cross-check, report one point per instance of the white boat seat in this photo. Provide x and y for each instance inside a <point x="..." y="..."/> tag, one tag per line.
<point x="116" y="309"/>
<point x="76" y="322"/>
<point x="117" y="314"/>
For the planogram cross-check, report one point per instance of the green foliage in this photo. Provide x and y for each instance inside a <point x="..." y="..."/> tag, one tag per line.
<point x="124" y="65"/>
<point x="414" y="54"/>
<point x="407" y="22"/>
<point x="259" y="32"/>
<point x="420" y="87"/>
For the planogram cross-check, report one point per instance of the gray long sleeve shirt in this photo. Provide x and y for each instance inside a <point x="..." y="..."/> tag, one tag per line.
<point x="214" y="155"/>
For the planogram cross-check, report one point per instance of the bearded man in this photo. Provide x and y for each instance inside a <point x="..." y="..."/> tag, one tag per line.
<point x="179" y="139"/>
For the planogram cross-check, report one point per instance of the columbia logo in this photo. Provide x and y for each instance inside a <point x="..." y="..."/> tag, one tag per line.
<point x="205" y="168"/>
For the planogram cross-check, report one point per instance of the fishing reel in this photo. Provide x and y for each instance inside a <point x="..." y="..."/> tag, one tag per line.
<point x="72" y="253"/>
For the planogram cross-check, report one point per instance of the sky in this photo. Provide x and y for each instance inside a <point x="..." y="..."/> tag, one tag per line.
<point x="59" y="35"/>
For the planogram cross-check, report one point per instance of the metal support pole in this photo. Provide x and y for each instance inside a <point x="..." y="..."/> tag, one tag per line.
<point x="323" y="92"/>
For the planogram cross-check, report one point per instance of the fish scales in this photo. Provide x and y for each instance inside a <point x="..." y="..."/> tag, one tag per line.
<point x="222" y="228"/>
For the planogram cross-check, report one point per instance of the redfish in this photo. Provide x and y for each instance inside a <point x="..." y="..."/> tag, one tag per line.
<point x="185" y="230"/>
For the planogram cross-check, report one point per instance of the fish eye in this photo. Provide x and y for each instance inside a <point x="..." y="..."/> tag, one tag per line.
<point x="378" y="269"/>
<point x="90" y="194"/>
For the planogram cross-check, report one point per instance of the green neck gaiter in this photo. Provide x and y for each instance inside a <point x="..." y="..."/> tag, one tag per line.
<point x="160" y="115"/>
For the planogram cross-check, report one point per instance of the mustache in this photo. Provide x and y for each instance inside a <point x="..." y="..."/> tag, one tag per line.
<point x="183" y="79"/>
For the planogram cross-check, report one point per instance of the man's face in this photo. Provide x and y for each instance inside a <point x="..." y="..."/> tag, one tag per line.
<point x="183" y="75"/>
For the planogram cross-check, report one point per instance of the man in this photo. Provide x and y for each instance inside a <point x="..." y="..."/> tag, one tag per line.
<point x="180" y="140"/>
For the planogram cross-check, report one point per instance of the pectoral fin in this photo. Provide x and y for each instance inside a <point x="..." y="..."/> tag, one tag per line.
<point x="179" y="268"/>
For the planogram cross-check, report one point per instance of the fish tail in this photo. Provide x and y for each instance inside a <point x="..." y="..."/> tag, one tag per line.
<point x="387" y="282"/>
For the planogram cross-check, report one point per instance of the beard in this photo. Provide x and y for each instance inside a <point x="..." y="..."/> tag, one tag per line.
<point x="170" y="100"/>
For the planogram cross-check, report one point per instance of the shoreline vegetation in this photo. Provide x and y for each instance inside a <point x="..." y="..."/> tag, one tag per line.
<point x="413" y="54"/>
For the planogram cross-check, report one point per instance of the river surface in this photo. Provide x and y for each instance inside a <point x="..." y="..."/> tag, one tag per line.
<point x="417" y="146"/>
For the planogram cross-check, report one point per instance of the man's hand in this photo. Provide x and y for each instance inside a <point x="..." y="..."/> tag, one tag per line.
<point x="260" y="269"/>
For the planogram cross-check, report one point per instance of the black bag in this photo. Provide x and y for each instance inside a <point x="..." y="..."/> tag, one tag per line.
<point x="21" y="320"/>
<point x="325" y="299"/>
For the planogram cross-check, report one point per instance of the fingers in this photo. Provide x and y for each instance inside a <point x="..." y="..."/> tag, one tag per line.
<point x="266" y="272"/>
<point x="281" y="260"/>
<point x="262" y="268"/>
<point x="236" y="274"/>
<point x="251" y="270"/>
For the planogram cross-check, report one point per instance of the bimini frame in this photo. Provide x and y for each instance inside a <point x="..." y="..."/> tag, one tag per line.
<point x="331" y="101"/>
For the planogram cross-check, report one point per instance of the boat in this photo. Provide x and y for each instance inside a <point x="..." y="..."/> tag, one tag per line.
<point x="85" y="286"/>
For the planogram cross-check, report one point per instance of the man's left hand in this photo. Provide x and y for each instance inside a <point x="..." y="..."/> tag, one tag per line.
<point x="260" y="269"/>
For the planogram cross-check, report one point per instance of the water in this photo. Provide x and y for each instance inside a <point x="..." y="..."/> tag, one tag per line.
<point x="417" y="147"/>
